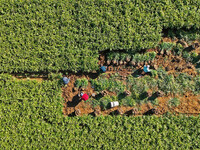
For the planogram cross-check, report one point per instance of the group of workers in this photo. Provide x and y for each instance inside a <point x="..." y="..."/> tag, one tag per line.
<point x="103" y="69"/>
<point x="82" y="95"/>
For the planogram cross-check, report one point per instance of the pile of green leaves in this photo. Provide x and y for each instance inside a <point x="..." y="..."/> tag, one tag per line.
<point x="149" y="56"/>
<point x="173" y="102"/>
<point x="169" y="84"/>
<point x="113" y="84"/>
<point x="65" y="35"/>
<point x="81" y="83"/>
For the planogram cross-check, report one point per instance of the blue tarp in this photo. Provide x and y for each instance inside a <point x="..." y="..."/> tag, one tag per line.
<point x="103" y="68"/>
<point x="66" y="80"/>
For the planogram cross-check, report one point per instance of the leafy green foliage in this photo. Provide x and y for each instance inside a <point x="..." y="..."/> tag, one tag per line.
<point x="31" y="118"/>
<point x="81" y="83"/>
<point x="139" y="87"/>
<point x="152" y="55"/>
<point x="67" y="35"/>
<point x="22" y="99"/>
<point x="197" y="85"/>
<point x="187" y="56"/>
<point x="154" y="73"/>
<point x="53" y="76"/>
<point x="137" y="57"/>
<point x="166" y="46"/>
<point x="112" y="84"/>
<point x="155" y="101"/>
<point x="144" y="57"/>
<point x="105" y="101"/>
<point x="187" y="35"/>
<point x="178" y="49"/>
<point x="128" y="101"/>
<point x="173" y="102"/>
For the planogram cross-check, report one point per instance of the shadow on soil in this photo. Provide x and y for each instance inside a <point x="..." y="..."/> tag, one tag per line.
<point x="153" y="97"/>
<point x="98" y="96"/>
<point x="150" y="112"/>
<point x="92" y="114"/>
<point x="75" y="101"/>
<point x="113" y="113"/>
<point x="72" y="114"/>
<point x="121" y="96"/>
<point x="128" y="113"/>
<point x="136" y="73"/>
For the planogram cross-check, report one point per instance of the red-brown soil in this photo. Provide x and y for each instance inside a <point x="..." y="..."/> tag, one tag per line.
<point x="190" y="104"/>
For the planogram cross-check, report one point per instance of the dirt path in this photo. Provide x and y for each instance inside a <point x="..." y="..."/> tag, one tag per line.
<point x="38" y="79"/>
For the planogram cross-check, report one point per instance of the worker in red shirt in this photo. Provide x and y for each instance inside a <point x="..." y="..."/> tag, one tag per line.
<point x="84" y="96"/>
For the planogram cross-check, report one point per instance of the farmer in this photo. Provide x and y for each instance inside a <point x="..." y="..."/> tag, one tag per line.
<point x="66" y="80"/>
<point x="84" y="96"/>
<point x="147" y="70"/>
<point x="103" y="69"/>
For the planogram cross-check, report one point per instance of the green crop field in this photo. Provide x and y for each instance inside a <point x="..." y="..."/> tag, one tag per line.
<point x="66" y="35"/>
<point x="31" y="118"/>
<point x="47" y="37"/>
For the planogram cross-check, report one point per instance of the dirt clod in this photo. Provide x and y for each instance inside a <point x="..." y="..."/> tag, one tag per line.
<point x="104" y="93"/>
<point x="97" y="112"/>
<point x="127" y="92"/>
<point x="93" y="94"/>
<point x="134" y="111"/>
<point x="155" y="67"/>
<point x="77" y="112"/>
<point x="75" y="89"/>
<point x="132" y="63"/>
<point x="159" y="94"/>
<point x="183" y="43"/>
<point x="119" y="111"/>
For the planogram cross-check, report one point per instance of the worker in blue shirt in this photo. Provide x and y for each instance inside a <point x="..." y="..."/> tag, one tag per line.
<point x="147" y="70"/>
<point x="66" y="80"/>
<point x="103" y="69"/>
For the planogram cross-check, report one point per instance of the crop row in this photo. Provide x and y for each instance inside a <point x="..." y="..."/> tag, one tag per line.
<point x="31" y="118"/>
<point x="142" y="90"/>
<point x="45" y="36"/>
<point x="124" y="58"/>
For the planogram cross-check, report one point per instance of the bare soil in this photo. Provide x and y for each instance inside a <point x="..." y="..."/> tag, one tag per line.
<point x="190" y="104"/>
